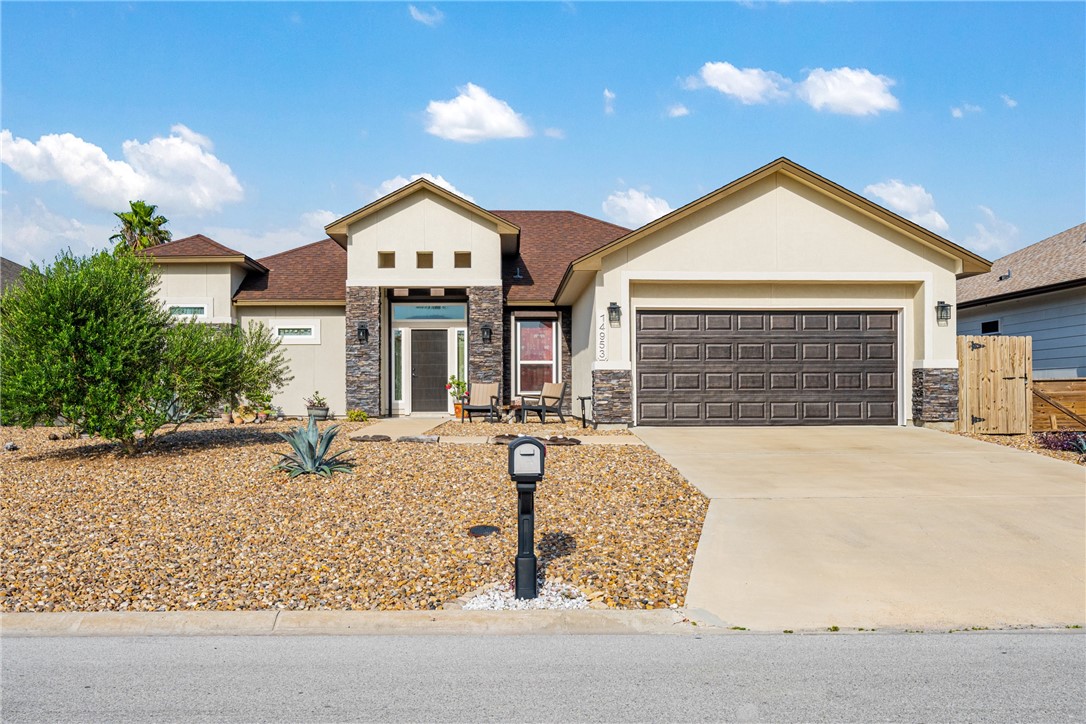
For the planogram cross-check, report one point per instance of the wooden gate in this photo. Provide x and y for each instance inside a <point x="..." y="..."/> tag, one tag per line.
<point x="995" y="385"/>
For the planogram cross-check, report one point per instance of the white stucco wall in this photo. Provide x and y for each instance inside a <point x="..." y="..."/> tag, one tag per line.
<point x="314" y="366"/>
<point x="423" y="221"/>
<point x="777" y="244"/>
<point x="212" y="284"/>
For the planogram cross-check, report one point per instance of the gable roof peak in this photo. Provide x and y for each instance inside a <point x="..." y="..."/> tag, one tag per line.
<point x="337" y="230"/>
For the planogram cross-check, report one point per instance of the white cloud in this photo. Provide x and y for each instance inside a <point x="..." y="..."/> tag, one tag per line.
<point x="993" y="237"/>
<point x="851" y="91"/>
<point x="678" y="111"/>
<point x="911" y="201"/>
<point x="178" y="173"/>
<point x="634" y="208"/>
<point x="398" y="182"/>
<point x="432" y="18"/>
<point x="1008" y="101"/>
<point x="475" y="116"/>
<point x="747" y="85"/>
<point x="36" y="234"/>
<point x="260" y="243"/>
<point x="608" y="101"/>
<point x="554" y="133"/>
<point x="963" y="109"/>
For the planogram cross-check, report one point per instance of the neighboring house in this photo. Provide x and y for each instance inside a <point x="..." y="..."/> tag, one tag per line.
<point x="9" y="273"/>
<point x="1037" y="292"/>
<point x="781" y="298"/>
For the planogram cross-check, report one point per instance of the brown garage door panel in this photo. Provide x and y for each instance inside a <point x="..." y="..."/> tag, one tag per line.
<point x="766" y="368"/>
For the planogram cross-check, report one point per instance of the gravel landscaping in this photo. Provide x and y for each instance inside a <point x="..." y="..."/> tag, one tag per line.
<point x="202" y="523"/>
<point x="1029" y="443"/>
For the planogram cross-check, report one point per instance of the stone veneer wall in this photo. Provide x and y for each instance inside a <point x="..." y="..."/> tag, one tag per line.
<point x="485" y="360"/>
<point x="364" y="360"/>
<point x="935" y="395"/>
<point x="612" y="397"/>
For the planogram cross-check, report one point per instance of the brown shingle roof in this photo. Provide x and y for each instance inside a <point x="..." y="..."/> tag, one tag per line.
<point x="315" y="272"/>
<point x="1059" y="259"/>
<point x="549" y="241"/>
<point x="197" y="245"/>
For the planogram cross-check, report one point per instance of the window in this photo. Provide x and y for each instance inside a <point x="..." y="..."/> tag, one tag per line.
<point x="386" y="260"/>
<point x="424" y="259"/>
<point x="462" y="354"/>
<point x="188" y="310"/>
<point x="462" y="259"/>
<point x="991" y="327"/>
<point x="537" y="354"/>
<point x="297" y="331"/>
<point x="397" y="365"/>
<point x="428" y="312"/>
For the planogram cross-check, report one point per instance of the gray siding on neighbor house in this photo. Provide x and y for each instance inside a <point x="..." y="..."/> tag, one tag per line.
<point x="1055" y="320"/>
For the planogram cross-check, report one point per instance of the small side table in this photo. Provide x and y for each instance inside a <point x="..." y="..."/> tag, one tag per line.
<point x="584" y="418"/>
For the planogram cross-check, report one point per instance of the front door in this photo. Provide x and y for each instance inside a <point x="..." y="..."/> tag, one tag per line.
<point x="429" y="370"/>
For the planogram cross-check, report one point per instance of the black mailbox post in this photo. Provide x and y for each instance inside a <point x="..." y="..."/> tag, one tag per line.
<point x="526" y="455"/>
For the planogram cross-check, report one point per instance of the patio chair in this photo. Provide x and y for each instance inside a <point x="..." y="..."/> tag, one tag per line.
<point x="548" y="400"/>
<point x="483" y="399"/>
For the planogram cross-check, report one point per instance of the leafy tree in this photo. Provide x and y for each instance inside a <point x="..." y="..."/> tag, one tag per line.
<point x="140" y="228"/>
<point x="88" y="342"/>
<point x="83" y="340"/>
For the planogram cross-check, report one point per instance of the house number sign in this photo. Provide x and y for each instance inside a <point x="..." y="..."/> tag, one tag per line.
<point x="601" y="338"/>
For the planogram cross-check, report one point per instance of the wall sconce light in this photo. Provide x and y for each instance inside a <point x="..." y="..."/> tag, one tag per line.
<point x="488" y="333"/>
<point x="942" y="313"/>
<point x="363" y="332"/>
<point x="614" y="314"/>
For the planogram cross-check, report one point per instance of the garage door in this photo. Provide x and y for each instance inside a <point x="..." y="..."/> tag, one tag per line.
<point x="766" y="368"/>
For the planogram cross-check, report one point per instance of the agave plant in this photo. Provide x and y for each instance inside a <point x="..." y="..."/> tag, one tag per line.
<point x="310" y="455"/>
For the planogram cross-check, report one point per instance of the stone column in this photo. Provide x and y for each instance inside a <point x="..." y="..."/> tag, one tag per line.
<point x="612" y="396"/>
<point x="935" y="397"/>
<point x="485" y="360"/>
<point x="364" y="359"/>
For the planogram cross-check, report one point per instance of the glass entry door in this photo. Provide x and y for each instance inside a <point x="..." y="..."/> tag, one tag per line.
<point x="429" y="370"/>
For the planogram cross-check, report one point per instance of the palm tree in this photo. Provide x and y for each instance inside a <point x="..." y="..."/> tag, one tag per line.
<point x="140" y="228"/>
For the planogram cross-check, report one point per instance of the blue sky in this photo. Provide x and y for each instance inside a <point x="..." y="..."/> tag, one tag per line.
<point x="257" y="123"/>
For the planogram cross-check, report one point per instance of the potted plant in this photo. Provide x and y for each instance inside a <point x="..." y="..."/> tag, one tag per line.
<point x="457" y="389"/>
<point x="317" y="406"/>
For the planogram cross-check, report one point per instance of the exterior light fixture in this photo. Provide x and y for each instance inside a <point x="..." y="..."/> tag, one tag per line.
<point x="942" y="313"/>
<point x="614" y="314"/>
<point x="487" y="332"/>
<point x="363" y="332"/>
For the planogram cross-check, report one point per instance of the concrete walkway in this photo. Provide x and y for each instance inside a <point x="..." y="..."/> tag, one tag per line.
<point x="396" y="427"/>
<point x="880" y="527"/>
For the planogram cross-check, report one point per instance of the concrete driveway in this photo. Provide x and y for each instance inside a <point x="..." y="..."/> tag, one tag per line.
<point x="880" y="527"/>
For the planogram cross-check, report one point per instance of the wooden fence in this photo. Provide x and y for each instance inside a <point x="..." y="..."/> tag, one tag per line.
<point x="1059" y="404"/>
<point x="995" y="385"/>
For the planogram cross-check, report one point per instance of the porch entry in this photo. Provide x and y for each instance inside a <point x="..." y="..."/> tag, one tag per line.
<point x="429" y="343"/>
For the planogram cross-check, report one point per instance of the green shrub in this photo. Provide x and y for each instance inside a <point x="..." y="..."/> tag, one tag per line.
<point x="86" y="340"/>
<point x="357" y="415"/>
<point x="309" y="454"/>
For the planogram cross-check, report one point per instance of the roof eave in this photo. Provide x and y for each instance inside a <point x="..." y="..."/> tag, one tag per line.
<point x="1032" y="291"/>
<point x="970" y="263"/>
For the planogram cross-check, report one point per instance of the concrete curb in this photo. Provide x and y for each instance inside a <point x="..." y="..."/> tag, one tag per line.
<point x="359" y="623"/>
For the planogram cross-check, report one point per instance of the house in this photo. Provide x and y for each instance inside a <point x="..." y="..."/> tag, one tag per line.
<point x="1037" y="292"/>
<point x="779" y="299"/>
<point x="9" y="273"/>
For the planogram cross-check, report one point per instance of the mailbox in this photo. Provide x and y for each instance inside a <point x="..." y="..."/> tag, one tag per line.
<point x="526" y="469"/>
<point x="526" y="456"/>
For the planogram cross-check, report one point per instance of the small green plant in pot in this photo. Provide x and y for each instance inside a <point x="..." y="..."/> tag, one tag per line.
<point x="309" y="455"/>
<point x="317" y="406"/>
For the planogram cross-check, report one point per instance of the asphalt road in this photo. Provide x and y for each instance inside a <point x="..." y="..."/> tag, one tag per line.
<point x="1020" y="677"/>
